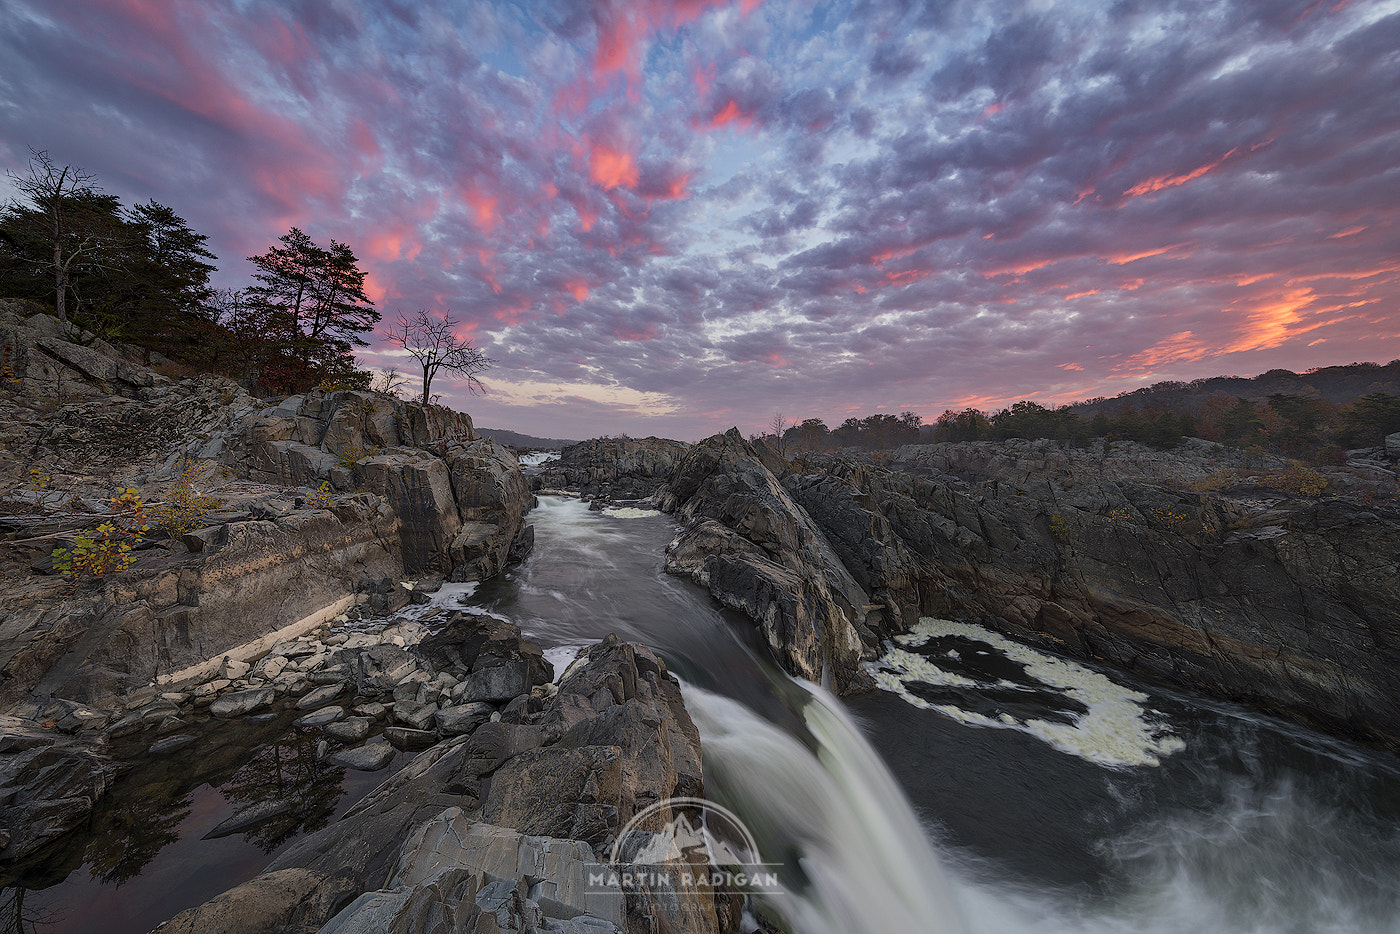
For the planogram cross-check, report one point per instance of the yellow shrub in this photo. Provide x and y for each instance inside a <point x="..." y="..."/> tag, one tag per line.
<point x="1298" y="480"/>
<point x="103" y="551"/>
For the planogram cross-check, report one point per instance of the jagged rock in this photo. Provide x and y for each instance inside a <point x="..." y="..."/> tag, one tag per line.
<point x="1392" y="446"/>
<point x="239" y="703"/>
<point x="170" y="743"/>
<point x="777" y="565"/>
<point x="414" y="716"/>
<point x="461" y="719"/>
<point x="49" y="787"/>
<point x="498" y="683"/>
<point x="377" y="669"/>
<point x="618" y="737"/>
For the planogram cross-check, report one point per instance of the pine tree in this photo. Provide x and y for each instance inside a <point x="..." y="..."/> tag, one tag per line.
<point x="313" y="304"/>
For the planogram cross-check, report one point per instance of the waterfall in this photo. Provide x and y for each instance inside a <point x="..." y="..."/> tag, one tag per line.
<point x="852" y="855"/>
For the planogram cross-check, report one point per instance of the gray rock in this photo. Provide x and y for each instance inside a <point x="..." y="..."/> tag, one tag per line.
<point x="321" y="696"/>
<point x="462" y="719"/>
<point x="405" y="738"/>
<point x="349" y="731"/>
<point x="242" y="702"/>
<point x="274" y="901"/>
<point x="498" y="683"/>
<point x="375" y="711"/>
<point x="1392" y="445"/>
<point x="170" y="743"/>
<point x="415" y="716"/>
<point x="371" y="757"/>
<point x="321" y="717"/>
<point x="250" y="816"/>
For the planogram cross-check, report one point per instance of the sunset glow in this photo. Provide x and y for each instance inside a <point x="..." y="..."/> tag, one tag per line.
<point x="671" y="216"/>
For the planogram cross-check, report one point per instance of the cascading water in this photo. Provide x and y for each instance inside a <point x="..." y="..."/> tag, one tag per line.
<point x="1047" y="798"/>
<point x="855" y="858"/>
<point x="988" y="789"/>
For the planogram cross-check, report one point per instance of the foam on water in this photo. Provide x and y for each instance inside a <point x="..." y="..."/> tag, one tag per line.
<point x="630" y="512"/>
<point x="1115" y="730"/>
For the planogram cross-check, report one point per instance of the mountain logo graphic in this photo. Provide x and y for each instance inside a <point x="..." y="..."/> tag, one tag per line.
<point x="699" y="831"/>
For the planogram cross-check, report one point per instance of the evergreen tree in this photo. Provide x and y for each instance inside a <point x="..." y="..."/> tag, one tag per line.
<point x="311" y="303"/>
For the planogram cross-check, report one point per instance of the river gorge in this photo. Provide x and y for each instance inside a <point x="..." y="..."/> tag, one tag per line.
<point x="392" y="681"/>
<point x="1094" y="804"/>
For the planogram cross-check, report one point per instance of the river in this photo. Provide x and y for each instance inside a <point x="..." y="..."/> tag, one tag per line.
<point x="987" y="789"/>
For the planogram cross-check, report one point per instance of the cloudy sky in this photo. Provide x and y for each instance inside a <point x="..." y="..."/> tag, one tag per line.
<point x="669" y="218"/>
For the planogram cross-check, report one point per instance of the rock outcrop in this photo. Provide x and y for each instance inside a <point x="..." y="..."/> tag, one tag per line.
<point x="503" y="822"/>
<point x="461" y="499"/>
<point x="1246" y="591"/>
<point x="612" y="468"/>
<point x="1247" y="588"/>
<point x="758" y="551"/>
<point x="406" y="490"/>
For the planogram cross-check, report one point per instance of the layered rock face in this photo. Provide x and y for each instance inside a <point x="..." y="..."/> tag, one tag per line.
<point x="259" y="568"/>
<point x="1282" y="600"/>
<point x="461" y="500"/>
<point x="612" y="468"/>
<point x="759" y="551"/>
<point x="410" y="491"/>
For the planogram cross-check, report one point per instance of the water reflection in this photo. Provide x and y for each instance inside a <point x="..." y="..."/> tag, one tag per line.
<point x="286" y="773"/>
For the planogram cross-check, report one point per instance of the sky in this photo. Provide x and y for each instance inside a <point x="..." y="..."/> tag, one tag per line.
<point x="673" y="217"/>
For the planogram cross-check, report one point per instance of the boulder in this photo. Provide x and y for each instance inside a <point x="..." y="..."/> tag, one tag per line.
<point x="461" y="719"/>
<point x="238" y="703"/>
<point x="371" y="757"/>
<point x="274" y="901"/>
<point x="351" y="730"/>
<point x="320" y="697"/>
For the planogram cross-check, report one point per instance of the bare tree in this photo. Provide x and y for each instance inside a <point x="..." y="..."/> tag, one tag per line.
<point x="390" y="382"/>
<point x="429" y="340"/>
<point x="66" y="209"/>
<point x="779" y="426"/>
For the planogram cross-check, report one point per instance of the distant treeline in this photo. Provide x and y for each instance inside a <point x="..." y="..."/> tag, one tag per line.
<point x="523" y="441"/>
<point x="1307" y="424"/>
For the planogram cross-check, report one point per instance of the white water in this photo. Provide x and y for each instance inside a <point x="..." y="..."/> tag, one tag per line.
<point x="833" y="814"/>
<point x="1116" y="729"/>
<point x="1249" y="829"/>
<point x="536" y="458"/>
<point x="1264" y="861"/>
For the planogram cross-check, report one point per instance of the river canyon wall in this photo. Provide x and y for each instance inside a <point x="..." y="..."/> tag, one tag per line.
<point x="1191" y="567"/>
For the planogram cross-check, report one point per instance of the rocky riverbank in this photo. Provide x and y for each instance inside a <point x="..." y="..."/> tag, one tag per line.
<point x="519" y="787"/>
<point x="1244" y="577"/>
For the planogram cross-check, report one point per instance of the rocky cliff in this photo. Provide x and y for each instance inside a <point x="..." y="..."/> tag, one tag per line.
<point x="1191" y="567"/>
<point x="405" y="490"/>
